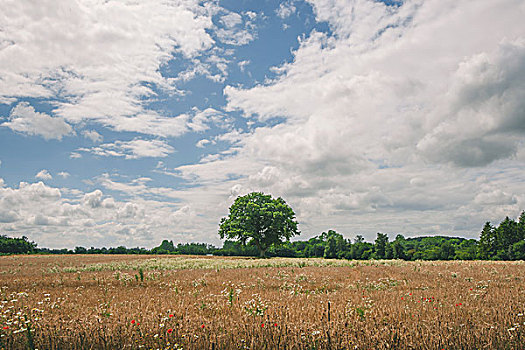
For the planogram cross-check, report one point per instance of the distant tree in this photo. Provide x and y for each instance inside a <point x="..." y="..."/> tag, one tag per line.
<point x="487" y="242"/>
<point x="330" y="251"/>
<point x="167" y="245"/>
<point x="467" y="250"/>
<point x="361" y="250"/>
<point x="335" y="244"/>
<point x="22" y="245"/>
<point x="359" y="239"/>
<point x="380" y="245"/>
<point x="447" y="251"/>
<point x="119" y="250"/>
<point x="398" y="248"/>
<point x="81" y="250"/>
<point x="518" y="250"/>
<point x="259" y="219"/>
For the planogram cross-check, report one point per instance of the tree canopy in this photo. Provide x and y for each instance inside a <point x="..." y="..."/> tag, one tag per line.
<point x="259" y="219"/>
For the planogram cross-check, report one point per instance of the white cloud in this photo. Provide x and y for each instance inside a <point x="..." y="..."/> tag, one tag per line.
<point x="101" y="74"/>
<point x="132" y="149"/>
<point x="64" y="174"/>
<point x="286" y="9"/>
<point x="242" y="64"/>
<point x="372" y="111"/>
<point x="93" y="199"/>
<point x="403" y="119"/>
<point x="202" y="143"/>
<point x="24" y="119"/>
<point x="484" y="119"/>
<point x="236" y="30"/>
<point x="92" y="219"/>
<point x="44" y="175"/>
<point x="92" y="135"/>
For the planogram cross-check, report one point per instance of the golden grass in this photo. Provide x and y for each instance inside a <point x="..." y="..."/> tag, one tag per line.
<point x="135" y="302"/>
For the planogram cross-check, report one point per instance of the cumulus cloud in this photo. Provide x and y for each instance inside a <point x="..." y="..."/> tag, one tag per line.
<point x="50" y="218"/>
<point x="24" y="119"/>
<point x="44" y="175"/>
<point x="133" y="149"/>
<point x="374" y="109"/>
<point x="235" y="29"/>
<point x="286" y="9"/>
<point x="100" y="61"/>
<point x="403" y="119"/>
<point x="64" y="174"/>
<point x="202" y="143"/>
<point x="484" y="119"/>
<point x="92" y="135"/>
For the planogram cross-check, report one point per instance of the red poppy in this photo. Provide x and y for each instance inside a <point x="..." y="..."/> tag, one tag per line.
<point x="401" y="298"/>
<point x="171" y="315"/>
<point x="275" y="324"/>
<point x="460" y="304"/>
<point x="262" y="324"/>
<point x="409" y="293"/>
<point x="132" y="321"/>
<point x="170" y="330"/>
<point x="456" y="304"/>
<point x="202" y="326"/>
<point x="6" y="327"/>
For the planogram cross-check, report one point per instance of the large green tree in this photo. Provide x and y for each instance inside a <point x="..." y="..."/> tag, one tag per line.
<point x="259" y="219"/>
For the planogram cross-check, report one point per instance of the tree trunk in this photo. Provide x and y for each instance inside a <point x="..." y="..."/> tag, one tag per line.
<point x="262" y="251"/>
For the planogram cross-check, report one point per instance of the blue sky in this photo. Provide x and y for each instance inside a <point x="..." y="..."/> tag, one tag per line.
<point x="125" y="123"/>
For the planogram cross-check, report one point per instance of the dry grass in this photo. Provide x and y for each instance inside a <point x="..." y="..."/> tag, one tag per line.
<point x="116" y="302"/>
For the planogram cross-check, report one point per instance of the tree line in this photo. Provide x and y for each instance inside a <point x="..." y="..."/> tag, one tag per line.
<point x="505" y="241"/>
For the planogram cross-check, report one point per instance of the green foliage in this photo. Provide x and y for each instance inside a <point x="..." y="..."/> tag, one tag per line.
<point x="380" y="246"/>
<point x="259" y="219"/>
<point x="16" y="245"/>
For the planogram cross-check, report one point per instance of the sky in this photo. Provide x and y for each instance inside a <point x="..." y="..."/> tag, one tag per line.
<point x="127" y="122"/>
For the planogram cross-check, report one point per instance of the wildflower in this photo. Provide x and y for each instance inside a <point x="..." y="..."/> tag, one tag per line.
<point x="6" y="327"/>
<point x="170" y="330"/>
<point x="171" y="315"/>
<point x="133" y="321"/>
<point x="409" y="293"/>
<point x="275" y="324"/>
<point x="202" y="326"/>
<point x="401" y="298"/>
<point x="262" y="324"/>
<point x="460" y="304"/>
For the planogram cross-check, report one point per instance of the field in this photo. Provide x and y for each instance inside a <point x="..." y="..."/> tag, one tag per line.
<point x="135" y="302"/>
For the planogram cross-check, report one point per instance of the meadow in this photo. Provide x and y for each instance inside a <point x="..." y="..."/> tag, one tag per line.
<point x="187" y="302"/>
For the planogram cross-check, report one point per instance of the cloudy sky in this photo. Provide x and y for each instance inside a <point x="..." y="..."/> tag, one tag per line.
<point x="126" y="122"/>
